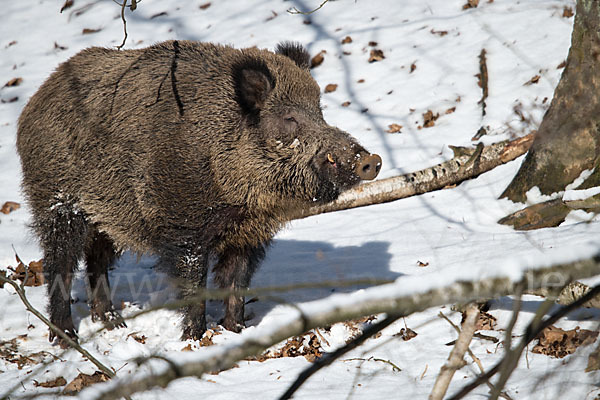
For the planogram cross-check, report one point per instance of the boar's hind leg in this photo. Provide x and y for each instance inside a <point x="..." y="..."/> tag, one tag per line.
<point x="62" y="230"/>
<point x="189" y="269"/>
<point x="234" y="271"/>
<point x="99" y="255"/>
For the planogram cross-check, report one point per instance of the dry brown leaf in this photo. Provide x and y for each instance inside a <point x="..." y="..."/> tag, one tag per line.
<point x="346" y="104"/>
<point x="346" y="40"/>
<point x="413" y="66"/>
<point x="470" y="4"/>
<point x="67" y="4"/>
<point x="34" y="273"/>
<point x="406" y="334"/>
<point x="485" y="321"/>
<point x="450" y="110"/>
<point x="318" y="59"/>
<point x="187" y="348"/>
<point x="439" y="33"/>
<point x="568" y="12"/>
<point x="394" y="128"/>
<point x="13" y="82"/>
<point x="87" y="31"/>
<point x="376" y="55"/>
<point x="60" y="381"/>
<point x="559" y="343"/>
<point x="204" y="6"/>
<point x="330" y="88"/>
<point x="372" y="44"/>
<point x="533" y="80"/>
<point x="296" y="347"/>
<point x="360" y="81"/>
<point x="83" y="380"/>
<point x="9" y="207"/>
<point x="422" y="264"/>
<point x="429" y="119"/>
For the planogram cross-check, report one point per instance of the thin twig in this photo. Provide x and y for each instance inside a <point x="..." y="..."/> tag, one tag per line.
<point x="294" y="10"/>
<point x="456" y="357"/>
<point x="473" y="356"/>
<point x="55" y="329"/>
<point x="124" y="24"/>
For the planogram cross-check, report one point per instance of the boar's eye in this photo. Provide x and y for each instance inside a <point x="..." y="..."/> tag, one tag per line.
<point x="291" y="119"/>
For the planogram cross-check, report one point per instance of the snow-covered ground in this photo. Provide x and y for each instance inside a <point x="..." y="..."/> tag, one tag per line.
<point x="431" y="51"/>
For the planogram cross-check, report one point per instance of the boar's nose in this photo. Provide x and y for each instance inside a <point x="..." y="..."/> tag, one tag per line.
<point x="368" y="167"/>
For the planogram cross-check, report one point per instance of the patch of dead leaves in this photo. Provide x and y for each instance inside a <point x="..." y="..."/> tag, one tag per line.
<point x="60" y="381"/>
<point x="9" y="351"/>
<point x="346" y="40"/>
<point x="555" y="342"/>
<point x="9" y="206"/>
<point x="307" y="346"/>
<point x="83" y="380"/>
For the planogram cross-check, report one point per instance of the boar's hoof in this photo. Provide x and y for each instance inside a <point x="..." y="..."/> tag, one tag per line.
<point x="193" y="332"/>
<point x="111" y="319"/>
<point x="72" y="333"/>
<point x="368" y="167"/>
<point x="232" y="326"/>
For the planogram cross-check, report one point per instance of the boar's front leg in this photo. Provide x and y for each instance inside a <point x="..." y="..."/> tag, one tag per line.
<point x="189" y="268"/>
<point x="234" y="271"/>
<point x="99" y="255"/>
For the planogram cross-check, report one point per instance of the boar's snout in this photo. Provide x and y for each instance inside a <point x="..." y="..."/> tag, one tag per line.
<point x="368" y="167"/>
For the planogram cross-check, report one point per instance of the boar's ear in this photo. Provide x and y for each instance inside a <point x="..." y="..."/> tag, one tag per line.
<point x="253" y="83"/>
<point x="296" y="52"/>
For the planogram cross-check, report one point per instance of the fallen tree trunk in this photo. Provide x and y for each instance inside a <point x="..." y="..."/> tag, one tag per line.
<point x="466" y="164"/>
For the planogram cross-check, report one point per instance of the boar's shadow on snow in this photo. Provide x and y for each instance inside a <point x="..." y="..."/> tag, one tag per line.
<point x="288" y="262"/>
<point x="189" y="151"/>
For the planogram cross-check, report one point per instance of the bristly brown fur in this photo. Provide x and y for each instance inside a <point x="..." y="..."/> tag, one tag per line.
<point x="212" y="164"/>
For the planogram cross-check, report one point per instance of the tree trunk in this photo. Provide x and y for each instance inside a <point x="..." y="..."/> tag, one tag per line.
<point x="568" y="139"/>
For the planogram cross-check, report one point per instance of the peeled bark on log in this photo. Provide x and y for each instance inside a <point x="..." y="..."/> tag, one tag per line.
<point x="467" y="163"/>
<point x="568" y="139"/>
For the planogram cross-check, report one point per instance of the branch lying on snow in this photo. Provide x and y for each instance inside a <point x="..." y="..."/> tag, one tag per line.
<point x="392" y="302"/>
<point x="467" y="163"/>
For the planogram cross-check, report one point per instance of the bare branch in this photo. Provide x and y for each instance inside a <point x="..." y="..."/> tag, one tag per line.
<point x="456" y="358"/>
<point x="55" y="329"/>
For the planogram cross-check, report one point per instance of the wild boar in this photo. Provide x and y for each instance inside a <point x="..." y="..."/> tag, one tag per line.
<point x="185" y="150"/>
